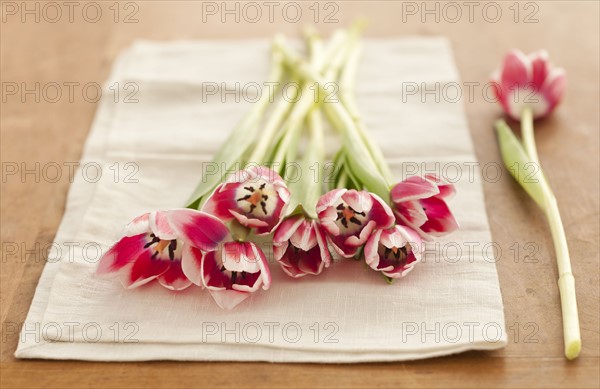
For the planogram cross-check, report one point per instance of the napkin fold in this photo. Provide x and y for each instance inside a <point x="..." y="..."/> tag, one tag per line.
<point x="148" y="147"/>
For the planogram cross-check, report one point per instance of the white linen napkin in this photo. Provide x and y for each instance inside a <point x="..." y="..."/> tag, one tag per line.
<point x="152" y="153"/>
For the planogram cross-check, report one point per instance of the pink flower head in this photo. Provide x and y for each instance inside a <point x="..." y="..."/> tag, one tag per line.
<point x="300" y="247"/>
<point x="256" y="197"/>
<point x="394" y="251"/>
<point x="349" y="217"/>
<point x="160" y="245"/>
<point x="420" y="203"/>
<point x="233" y="272"/>
<point x="528" y="81"/>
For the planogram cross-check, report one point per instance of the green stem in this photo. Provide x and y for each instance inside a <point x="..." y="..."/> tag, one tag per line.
<point x="321" y="62"/>
<point x="347" y="96"/>
<point x="360" y="160"/>
<point x="307" y="190"/>
<point x="528" y="136"/>
<point x="236" y="145"/>
<point x="566" y="281"/>
<point x="273" y="124"/>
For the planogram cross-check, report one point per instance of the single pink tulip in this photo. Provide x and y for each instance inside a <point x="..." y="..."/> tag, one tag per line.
<point x="235" y="271"/>
<point x="394" y="252"/>
<point x="528" y="81"/>
<point x="159" y="244"/>
<point x="420" y="203"/>
<point x="256" y="197"/>
<point x="300" y="247"/>
<point x="350" y="216"/>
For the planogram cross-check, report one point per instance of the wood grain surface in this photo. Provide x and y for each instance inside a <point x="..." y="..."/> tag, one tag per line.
<point x="59" y="50"/>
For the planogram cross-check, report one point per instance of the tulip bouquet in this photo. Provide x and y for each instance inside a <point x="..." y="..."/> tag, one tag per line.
<point x="529" y="87"/>
<point x="215" y="241"/>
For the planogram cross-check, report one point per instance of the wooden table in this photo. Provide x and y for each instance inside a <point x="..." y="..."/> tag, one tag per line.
<point x="82" y="50"/>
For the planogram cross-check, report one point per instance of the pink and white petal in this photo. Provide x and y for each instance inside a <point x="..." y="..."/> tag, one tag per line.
<point x="411" y="237"/>
<point x="266" y="174"/>
<point x="160" y="226"/>
<point x="191" y="264"/>
<point x="275" y="218"/>
<point x="228" y="299"/>
<point x="440" y="219"/>
<point x="221" y="201"/>
<point x="287" y="228"/>
<point x="447" y="189"/>
<point x="311" y="262"/>
<point x="339" y="246"/>
<point x="279" y="249"/>
<point x="360" y="201"/>
<point x="198" y="229"/>
<point x="411" y="213"/>
<point x="414" y="188"/>
<point x="516" y="71"/>
<point x="239" y="257"/>
<point x="256" y="172"/>
<point x="497" y="88"/>
<point x="123" y="253"/>
<point x="249" y="287"/>
<point x="240" y="176"/>
<point x="540" y="68"/>
<point x="265" y="272"/>
<point x="283" y="192"/>
<point x="212" y="277"/>
<point x="554" y="87"/>
<point x="329" y="199"/>
<point x="291" y="266"/>
<point x="249" y="222"/>
<point x="174" y="278"/>
<point x="322" y="242"/>
<point x="402" y="270"/>
<point x="328" y="218"/>
<point x="365" y="233"/>
<point x="371" y="250"/>
<point x="305" y="237"/>
<point x="291" y="271"/>
<point x="393" y="238"/>
<point x="139" y="225"/>
<point x="143" y="270"/>
<point x="381" y="213"/>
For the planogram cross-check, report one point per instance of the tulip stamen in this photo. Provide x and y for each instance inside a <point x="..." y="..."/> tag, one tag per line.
<point x="155" y="239"/>
<point x="172" y="248"/>
<point x="256" y="197"/>
<point x="400" y="254"/>
<point x="161" y="244"/>
<point x="348" y="214"/>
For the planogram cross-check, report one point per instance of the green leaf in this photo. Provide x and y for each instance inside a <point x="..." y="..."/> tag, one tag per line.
<point x="524" y="170"/>
<point x="228" y="156"/>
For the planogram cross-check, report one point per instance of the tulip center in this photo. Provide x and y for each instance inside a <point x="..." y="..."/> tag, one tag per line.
<point x="164" y="249"/>
<point x="394" y="255"/>
<point x="348" y="217"/>
<point x="255" y="199"/>
<point x="233" y="275"/>
<point x="228" y="277"/>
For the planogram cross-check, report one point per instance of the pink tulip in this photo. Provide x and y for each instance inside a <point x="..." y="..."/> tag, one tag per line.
<point x="160" y="245"/>
<point x="420" y="203"/>
<point x="300" y="247"/>
<point x="394" y="251"/>
<point x="256" y="197"/>
<point x="235" y="271"/>
<point x="528" y="81"/>
<point x="350" y="216"/>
